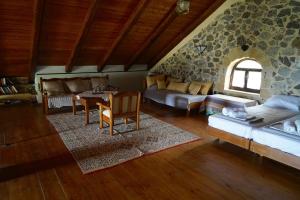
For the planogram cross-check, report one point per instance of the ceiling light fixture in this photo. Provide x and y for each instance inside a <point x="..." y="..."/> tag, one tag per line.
<point x="183" y="7"/>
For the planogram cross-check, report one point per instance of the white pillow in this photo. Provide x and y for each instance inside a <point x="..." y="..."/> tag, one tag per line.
<point x="284" y="101"/>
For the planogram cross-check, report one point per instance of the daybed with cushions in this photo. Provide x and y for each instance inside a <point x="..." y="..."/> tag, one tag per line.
<point x="176" y="93"/>
<point x="260" y="137"/>
<point x="58" y="92"/>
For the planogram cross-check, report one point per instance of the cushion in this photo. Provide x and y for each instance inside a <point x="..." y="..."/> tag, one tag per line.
<point x="161" y="84"/>
<point x="102" y="82"/>
<point x="179" y="87"/>
<point x="78" y="85"/>
<point x="54" y="88"/>
<point x="284" y="101"/>
<point x="151" y="80"/>
<point x="106" y="113"/>
<point x="205" y="88"/>
<point x="177" y="80"/>
<point x="173" y="98"/>
<point x="195" y="88"/>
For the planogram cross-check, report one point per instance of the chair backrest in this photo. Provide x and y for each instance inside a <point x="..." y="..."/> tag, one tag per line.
<point x="124" y="103"/>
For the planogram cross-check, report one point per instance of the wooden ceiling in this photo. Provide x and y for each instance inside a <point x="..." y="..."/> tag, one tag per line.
<point x="92" y="32"/>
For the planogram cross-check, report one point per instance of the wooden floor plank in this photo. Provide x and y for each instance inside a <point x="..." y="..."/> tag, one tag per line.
<point x="75" y="184"/>
<point x="50" y="185"/>
<point x="26" y="187"/>
<point x="184" y="180"/>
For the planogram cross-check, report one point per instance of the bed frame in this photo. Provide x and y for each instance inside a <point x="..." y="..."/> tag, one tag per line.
<point x="275" y="154"/>
<point x="262" y="150"/>
<point x="228" y="137"/>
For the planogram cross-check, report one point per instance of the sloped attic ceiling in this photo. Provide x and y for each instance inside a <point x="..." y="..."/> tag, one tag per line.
<point x="92" y="32"/>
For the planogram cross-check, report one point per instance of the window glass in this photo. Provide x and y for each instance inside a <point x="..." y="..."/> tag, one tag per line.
<point x="246" y="76"/>
<point x="248" y="64"/>
<point x="254" y="80"/>
<point x="238" y="79"/>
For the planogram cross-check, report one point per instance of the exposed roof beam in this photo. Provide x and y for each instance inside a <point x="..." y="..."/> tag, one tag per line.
<point x="129" y="23"/>
<point x="165" y="22"/>
<point x="89" y="17"/>
<point x="37" y="21"/>
<point x="189" y="28"/>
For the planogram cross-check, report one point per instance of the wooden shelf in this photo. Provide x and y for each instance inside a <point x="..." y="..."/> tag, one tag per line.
<point x="19" y="96"/>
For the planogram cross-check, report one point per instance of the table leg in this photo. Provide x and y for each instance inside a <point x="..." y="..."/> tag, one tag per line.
<point x="74" y="106"/>
<point x="87" y="113"/>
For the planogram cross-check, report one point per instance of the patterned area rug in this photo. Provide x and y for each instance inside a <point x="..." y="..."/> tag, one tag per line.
<point x="95" y="149"/>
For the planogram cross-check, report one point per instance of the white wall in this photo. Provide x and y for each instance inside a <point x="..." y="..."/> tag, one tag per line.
<point x="130" y="80"/>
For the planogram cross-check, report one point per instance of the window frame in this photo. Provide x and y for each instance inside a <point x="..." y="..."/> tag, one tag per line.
<point x="246" y="70"/>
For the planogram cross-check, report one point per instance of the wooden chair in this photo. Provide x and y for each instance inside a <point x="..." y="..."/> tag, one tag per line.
<point x="122" y="105"/>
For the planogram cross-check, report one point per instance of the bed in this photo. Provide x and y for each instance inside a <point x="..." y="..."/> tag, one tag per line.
<point x="267" y="137"/>
<point x="238" y="132"/>
<point x="272" y="142"/>
<point x="174" y="98"/>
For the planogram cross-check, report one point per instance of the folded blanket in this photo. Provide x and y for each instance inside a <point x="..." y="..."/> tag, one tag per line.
<point x="235" y="112"/>
<point x="297" y="124"/>
<point x="289" y="126"/>
<point x="239" y="114"/>
<point x="225" y="111"/>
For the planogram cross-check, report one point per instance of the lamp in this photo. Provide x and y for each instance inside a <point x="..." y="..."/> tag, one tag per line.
<point x="183" y="7"/>
<point x="201" y="48"/>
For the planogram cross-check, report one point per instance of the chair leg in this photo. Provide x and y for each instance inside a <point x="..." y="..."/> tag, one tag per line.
<point x="125" y="120"/>
<point x="111" y="125"/>
<point x="101" y="121"/>
<point x="111" y="129"/>
<point x="137" y="123"/>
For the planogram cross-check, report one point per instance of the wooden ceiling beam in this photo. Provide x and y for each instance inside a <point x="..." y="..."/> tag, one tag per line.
<point x="88" y="20"/>
<point x="157" y="31"/>
<point x="37" y="21"/>
<point x="127" y="26"/>
<point x="185" y="31"/>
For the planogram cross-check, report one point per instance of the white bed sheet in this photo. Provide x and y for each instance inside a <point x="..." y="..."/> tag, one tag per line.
<point x="235" y="128"/>
<point x="278" y="141"/>
<point x="243" y="129"/>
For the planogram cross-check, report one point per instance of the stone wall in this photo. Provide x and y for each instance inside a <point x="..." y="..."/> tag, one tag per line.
<point x="271" y="28"/>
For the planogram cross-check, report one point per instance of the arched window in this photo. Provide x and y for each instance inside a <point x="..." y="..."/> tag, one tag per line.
<point x="246" y="76"/>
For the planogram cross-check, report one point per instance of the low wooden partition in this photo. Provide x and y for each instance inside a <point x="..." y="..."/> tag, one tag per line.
<point x="275" y="154"/>
<point x="229" y="137"/>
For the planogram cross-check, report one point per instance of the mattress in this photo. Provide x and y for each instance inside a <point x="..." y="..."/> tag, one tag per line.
<point x="173" y="98"/>
<point x="275" y="137"/>
<point x="244" y="129"/>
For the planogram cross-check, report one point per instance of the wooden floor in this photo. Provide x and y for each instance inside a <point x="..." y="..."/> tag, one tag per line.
<point x="35" y="164"/>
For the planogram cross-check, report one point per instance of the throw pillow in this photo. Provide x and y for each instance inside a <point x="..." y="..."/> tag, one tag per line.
<point x="161" y="84"/>
<point x="151" y="80"/>
<point x="284" y="102"/>
<point x="78" y="85"/>
<point x="206" y="87"/>
<point x="102" y="82"/>
<point x="179" y="87"/>
<point x="177" y="80"/>
<point x="195" y="88"/>
<point x="53" y="88"/>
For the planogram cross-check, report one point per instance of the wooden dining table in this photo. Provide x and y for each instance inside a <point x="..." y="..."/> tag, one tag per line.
<point x="89" y="99"/>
